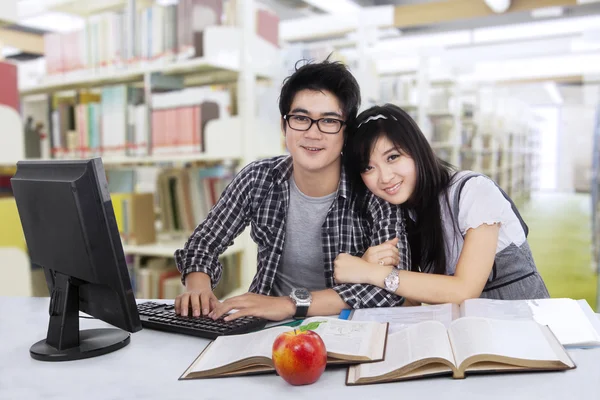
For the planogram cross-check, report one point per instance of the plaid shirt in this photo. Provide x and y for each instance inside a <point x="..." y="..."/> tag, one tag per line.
<point x="259" y="195"/>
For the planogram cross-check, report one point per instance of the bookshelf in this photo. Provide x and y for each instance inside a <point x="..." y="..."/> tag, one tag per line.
<point x="211" y="69"/>
<point x="474" y="127"/>
<point x="226" y="62"/>
<point x="166" y="247"/>
<point x="153" y="160"/>
<point x="89" y="8"/>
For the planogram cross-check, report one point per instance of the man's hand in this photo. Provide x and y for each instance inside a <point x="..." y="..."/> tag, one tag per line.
<point x="351" y="269"/>
<point x="198" y="296"/>
<point x="256" y="305"/>
<point x="384" y="254"/>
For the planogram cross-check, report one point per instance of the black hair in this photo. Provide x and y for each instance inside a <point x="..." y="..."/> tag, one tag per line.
<point x="327" y="75"/>
<point x="426" y="236"/>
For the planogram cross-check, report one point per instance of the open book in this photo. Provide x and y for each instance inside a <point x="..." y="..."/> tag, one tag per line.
<point x="572" y="322"/>
<point x="347" y="342"/>
<point x="470" y="344"/>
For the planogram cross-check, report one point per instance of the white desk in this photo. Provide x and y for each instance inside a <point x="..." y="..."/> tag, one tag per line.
<point x="148" y="368"/>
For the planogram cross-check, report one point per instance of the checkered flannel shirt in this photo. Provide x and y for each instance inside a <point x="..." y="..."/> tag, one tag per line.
<point x="259" y="195"/>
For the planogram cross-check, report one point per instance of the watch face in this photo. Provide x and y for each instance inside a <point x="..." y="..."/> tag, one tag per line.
<point x="301" y="294"/>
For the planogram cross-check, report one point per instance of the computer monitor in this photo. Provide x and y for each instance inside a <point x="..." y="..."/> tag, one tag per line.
<point x="71" y="232"/>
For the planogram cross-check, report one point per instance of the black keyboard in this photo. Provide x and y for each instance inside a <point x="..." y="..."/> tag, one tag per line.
<point x="162" y="317"/>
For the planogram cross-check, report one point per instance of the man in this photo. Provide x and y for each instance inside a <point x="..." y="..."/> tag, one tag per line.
<point x="302" y="214"/>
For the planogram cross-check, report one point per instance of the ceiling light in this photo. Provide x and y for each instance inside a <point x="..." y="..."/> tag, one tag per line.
<point x="419" y="43"/>
<point x="537" y="67"/>
<point x="582" y="45"/>
<point x="335" y="6"/>
<point x="535" y="29"/>
<point x="8" y="51"/>
<point x="54" y="22"/>
<point x="547" y="12"/>
<point x="498" y="6"/>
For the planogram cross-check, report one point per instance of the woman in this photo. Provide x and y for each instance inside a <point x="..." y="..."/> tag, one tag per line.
<point x="467" y="238"/>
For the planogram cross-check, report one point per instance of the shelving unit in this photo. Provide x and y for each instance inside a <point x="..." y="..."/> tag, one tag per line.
<point x="473" y="128"/>
<point x="219" y="67"/>
<point x="234" y="57"/>
<point x="154" y="160"/>
<point x="202" y="66"/>
<point x="167" y="247"/>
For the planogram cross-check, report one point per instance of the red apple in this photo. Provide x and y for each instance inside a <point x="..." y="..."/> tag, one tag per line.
<point x="299" y="356"/>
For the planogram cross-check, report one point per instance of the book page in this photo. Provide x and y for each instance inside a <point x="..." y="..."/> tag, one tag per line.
<point x="416" y="342"/>
<point x="403" y="317"/>
<point x="517" y="339"/>
<point x="226" y="350"/>
<point x="344" y="337"/>
<point x="590" y="314"/>
<point x="564" y="316"/>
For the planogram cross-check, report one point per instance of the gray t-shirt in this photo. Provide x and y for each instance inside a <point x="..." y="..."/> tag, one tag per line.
<point x="302" y="263"/>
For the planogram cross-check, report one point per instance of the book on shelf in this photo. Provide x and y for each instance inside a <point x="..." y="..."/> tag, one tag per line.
<point x="347" y="342"/>
<point x="193" y="16"/>
<point x="573" y="322"/>
<point x="468" y="345"/>
<point x="186" y="196"/>
<point x="112" y="122"/>
<point x="159" y="34"/>
<point x="9" y="91"/>
<point x="157" y="277"/>
<point x="267" y="24"/>
<point x="151" y="276"/>
<point x="177" y="130"/>
<point x="135" y="216"/>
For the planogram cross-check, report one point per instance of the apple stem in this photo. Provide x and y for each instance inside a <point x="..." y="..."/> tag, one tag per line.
<point x="295" y="331"/>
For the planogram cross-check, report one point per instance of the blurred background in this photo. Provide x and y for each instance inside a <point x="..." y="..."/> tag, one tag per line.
<point x="177" y="96"/>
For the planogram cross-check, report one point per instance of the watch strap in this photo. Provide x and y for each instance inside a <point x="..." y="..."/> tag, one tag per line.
<point x="301" y="311"/>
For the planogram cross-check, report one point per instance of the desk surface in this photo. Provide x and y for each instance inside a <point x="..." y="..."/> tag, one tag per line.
<point x="148" y="368"/>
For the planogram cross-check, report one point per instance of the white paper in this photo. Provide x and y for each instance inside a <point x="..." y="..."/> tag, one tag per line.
<point x="517" y="339"/>
<point x="564" y="317"/>
<point x="416" y="342"/>
<point x="402" y="317"/>
<point x="344" y="337"/>
<point x="591" y="315"/>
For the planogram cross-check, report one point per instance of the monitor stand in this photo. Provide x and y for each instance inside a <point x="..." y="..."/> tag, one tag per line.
<point x="65" y="342"/>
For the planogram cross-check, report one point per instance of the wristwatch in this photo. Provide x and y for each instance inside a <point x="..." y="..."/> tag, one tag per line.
<point x="392" y="280"/>
<point x="302" y="298"/>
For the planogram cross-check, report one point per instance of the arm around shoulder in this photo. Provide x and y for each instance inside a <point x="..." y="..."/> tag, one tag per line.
<point x="386" y="222"/>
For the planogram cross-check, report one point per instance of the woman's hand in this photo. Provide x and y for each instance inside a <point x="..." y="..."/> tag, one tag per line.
<point x="351" y="269"/>
<point x="384" y="254"/>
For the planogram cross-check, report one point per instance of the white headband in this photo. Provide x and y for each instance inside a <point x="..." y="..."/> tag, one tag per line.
<point x="374" y="118"/>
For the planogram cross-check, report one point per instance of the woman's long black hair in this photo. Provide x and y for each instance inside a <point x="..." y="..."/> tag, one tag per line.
<point x="426" y="236"/>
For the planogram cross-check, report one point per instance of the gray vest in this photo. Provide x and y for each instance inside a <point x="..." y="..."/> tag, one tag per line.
<point x="514" y="275"/>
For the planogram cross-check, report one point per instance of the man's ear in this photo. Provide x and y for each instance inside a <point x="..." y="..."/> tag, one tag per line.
<point x="283" y="126"/>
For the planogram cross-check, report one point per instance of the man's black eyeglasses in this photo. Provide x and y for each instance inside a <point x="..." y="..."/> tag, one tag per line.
<point x="304" y="123"/>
